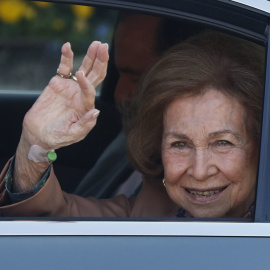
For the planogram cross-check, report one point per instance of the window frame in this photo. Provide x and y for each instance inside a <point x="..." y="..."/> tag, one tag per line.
<point x="138" y="227"/>
<point x="262" y="213"/>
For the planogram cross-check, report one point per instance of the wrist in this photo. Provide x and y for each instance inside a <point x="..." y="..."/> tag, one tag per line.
<point x="27" y="173"/>
<point x="38" y="154"/>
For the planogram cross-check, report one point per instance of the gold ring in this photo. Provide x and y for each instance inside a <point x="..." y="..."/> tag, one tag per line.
<point x="69" y="76"/>
<point x="74" y="78"/>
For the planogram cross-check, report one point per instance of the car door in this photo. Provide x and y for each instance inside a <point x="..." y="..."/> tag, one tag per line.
<point x="154" y="243"/>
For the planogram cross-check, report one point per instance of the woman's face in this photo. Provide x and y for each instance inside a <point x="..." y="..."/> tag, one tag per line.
<point x="210" y="162"/>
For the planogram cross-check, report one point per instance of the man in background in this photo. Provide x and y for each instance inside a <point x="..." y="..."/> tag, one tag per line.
<point x="138" y="41"/>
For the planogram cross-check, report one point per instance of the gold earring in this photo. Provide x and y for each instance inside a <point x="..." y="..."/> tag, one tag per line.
<point x="163" y="181"/>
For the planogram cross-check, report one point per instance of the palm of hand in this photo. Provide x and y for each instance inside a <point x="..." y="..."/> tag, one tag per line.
<point x="64" y="113"/>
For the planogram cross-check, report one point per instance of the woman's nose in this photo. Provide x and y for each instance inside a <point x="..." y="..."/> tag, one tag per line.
<point x="202" y="165"/>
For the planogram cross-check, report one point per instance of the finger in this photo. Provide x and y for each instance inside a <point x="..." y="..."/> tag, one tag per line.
<point x="88" y="60"/>
<point x="85" y="124"/>
<point x="66" y="62"/>
<point x="88" y="92"/>
<point x="98" y="72"/>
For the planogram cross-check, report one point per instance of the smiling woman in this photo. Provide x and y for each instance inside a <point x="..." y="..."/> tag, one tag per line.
<point x="209" y="159"/>
<point x="197" y="124"/>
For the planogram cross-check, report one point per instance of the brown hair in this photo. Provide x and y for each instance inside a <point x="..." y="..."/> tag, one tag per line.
<point x="210" y="59"/>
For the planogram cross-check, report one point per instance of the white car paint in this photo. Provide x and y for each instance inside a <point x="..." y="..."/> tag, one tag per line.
<point x="263" y="5"/>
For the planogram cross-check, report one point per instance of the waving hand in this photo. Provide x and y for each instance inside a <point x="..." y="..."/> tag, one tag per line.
<point x="63" y="114"/>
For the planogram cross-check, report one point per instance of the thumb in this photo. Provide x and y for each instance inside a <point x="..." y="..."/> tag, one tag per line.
<point x="84" y="125"/>
<point x="89" y="119"/>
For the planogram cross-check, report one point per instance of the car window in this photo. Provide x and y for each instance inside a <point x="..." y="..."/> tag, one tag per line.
<point x="31" y="36"/>
<point x="27" y="63"/>
<point x="31" y="40"/>
<point x="32" y="33"/>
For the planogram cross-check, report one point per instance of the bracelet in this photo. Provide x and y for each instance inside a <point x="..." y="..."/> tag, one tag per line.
<point x="38" y="154"/>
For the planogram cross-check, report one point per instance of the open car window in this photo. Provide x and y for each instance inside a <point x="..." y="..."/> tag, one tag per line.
<point x="32" y="33"/>
<point x="31" y="36"/>
<point x="30" y="45"/>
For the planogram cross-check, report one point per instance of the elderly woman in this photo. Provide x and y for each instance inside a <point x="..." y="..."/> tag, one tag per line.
<point x="196" y="129"/>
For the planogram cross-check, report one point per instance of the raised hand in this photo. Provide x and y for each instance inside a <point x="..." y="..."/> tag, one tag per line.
<point x="65" y="111"/>
<point x="63" y="114"/>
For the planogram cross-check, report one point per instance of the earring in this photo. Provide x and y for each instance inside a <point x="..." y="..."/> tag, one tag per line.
<point x="163" y="181"/>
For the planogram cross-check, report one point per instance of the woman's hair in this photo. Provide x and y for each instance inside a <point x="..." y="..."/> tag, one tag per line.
<point x="209" y="60"/>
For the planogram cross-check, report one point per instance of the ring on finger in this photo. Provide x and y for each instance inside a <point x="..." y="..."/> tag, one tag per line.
<point x="69" y="76"/>
<point x="74" y="78"/>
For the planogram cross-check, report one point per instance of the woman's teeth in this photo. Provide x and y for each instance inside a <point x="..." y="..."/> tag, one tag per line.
<point x="204" y="193"/>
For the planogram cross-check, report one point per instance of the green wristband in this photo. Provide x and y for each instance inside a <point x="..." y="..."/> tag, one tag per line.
<point x="51" y="156"/>
<point x="38" y="154"/>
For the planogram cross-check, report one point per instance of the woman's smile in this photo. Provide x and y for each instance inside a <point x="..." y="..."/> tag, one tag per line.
<point x="204" y="195"/>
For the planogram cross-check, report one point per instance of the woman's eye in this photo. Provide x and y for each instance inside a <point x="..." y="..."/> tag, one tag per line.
<point x="223" y="143"/>
<point x="179" y="144"/>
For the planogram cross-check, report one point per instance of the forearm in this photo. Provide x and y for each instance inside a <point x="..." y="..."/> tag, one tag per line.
<point x="27" y="173"/>
<point x="62" y="115"/>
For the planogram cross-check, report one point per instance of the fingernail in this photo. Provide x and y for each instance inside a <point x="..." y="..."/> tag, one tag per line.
<point x="96" y="114"/>
<point x="77" y="72"/>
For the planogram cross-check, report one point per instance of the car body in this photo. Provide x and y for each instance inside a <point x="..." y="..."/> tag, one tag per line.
<point x="82" y="243"/>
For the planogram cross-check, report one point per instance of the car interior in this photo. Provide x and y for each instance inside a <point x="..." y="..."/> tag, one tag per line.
<point x="16" y="97"/>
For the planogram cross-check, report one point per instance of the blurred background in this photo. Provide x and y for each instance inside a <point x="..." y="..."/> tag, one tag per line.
<point x="32" y="33"/>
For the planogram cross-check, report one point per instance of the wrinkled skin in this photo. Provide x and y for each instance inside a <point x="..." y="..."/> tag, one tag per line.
<point x="63" y="114"/>
<point x="210" y="161"/>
